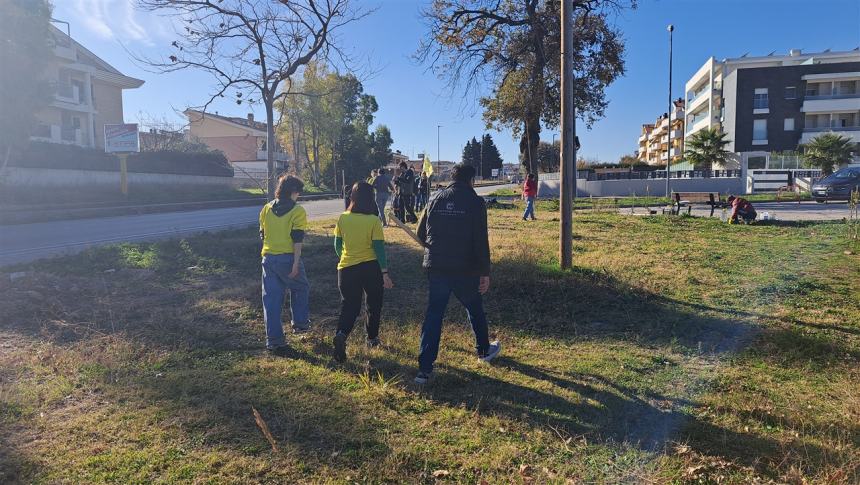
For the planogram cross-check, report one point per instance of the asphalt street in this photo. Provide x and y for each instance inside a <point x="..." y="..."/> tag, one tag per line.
<point x="22" y="243"/>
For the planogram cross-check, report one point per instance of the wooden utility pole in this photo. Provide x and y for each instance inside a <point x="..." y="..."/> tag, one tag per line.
<point x="568" y="137"/>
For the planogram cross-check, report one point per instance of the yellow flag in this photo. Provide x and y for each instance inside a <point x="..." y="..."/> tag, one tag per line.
<point x="428" y="167"/>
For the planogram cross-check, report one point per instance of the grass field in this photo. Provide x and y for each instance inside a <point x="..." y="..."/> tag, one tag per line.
<point x="680" y="350"/>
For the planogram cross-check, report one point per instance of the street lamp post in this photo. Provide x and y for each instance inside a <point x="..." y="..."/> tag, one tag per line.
<point x="670" y="28"/>
<point x="438" y="156"/>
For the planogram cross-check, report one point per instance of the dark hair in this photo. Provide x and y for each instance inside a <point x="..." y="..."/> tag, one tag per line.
<point x="463" y="173"/>
<point x="287" y="186"/>
<point x="403" y="165"/>
<point x="730" y="198"/>
<point x="381" y="171"/>
<point x="531" y="176"/>
<point x="361" y="200"/>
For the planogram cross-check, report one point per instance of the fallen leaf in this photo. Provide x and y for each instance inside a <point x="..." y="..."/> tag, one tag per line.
<point x="441" y="473"/>
<point x="525" y="470"/>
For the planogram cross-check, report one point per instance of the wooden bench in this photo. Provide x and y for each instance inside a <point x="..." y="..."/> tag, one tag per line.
<point x="687" y="199"/>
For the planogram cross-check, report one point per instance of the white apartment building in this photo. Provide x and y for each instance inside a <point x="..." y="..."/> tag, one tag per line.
<point x="774" y="103"/>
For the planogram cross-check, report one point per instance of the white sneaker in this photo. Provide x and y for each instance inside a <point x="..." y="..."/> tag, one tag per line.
<point x="493" y="351"/>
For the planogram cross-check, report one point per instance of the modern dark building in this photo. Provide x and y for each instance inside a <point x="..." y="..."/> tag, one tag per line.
<point x="770" y="105"/>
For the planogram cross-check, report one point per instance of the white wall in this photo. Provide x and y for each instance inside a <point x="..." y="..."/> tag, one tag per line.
<point x="45" y="177"/>
<point x="654" y="187"/>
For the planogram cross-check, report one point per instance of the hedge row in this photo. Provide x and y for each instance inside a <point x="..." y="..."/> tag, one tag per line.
<point x="72" y="157"/>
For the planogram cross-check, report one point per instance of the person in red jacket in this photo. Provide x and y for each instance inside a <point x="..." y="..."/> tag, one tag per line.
<point x="741" y="210"/>
<point x="530" y="190"/>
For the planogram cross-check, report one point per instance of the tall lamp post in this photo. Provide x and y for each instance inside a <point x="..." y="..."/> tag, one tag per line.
<point x="670" y="28"/>
<point x="438" y="128"/>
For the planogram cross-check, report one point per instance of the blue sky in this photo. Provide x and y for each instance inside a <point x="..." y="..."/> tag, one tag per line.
<point x="412" y="102"/>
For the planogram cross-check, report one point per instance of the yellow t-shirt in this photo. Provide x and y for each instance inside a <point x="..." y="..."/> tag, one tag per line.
<point x="358" y="231"/>
<point x="277" y="238"/>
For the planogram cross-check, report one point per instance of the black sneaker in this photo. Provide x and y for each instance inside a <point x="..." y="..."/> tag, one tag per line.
<point x="422" y="378"/>
<point x="373" y="343"/>
<point x="340" y="347"/>
<point x="282" y="351"/>
<point x="492" y="352"/>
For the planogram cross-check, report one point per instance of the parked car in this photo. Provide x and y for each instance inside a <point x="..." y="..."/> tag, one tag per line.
<point x="838" y="185"/>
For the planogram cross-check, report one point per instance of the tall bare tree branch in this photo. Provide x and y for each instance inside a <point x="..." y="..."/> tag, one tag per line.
<point x="252" y="47"/>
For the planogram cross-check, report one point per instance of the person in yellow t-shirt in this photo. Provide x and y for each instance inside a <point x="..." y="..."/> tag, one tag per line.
<point x="363" y="269"/>
<point x="282" y="228"/>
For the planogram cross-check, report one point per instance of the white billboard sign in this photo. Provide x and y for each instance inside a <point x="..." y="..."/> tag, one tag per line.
<point x="122" y="138"/>
<point x="495" y="172"/>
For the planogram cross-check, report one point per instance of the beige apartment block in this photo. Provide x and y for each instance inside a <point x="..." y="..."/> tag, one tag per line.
<point x="87" y="95"/>
<point x="664" y="138"/>
<point x="242" y="140"/>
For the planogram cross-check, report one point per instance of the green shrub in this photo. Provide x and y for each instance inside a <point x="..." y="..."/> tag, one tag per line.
<point x="72" y="157"/>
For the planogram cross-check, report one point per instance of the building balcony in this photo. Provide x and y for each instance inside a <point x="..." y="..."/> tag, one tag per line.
<point x="60" y="134"/>
<point x="279" y="156"/>
<point x="828" y="104"/>
<point x="643" y="137"/>
<point x="851" y="132"/>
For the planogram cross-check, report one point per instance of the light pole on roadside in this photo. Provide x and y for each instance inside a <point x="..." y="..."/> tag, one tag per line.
<point x="438" y="128"/>
<point x="568" y="137"/>
<point x="670" y="28"/>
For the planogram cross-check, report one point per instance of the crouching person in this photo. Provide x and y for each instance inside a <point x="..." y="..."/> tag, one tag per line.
<point x="742" y="210"/>
<point x="282" y="228"/>
<point x="362" y="271"/>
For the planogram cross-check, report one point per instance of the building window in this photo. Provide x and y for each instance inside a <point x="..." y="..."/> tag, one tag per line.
<point x="759" y="130"/>
<point x="756" y="163"/>
<point x="789" y="124"/>
<point x="760" y="99"/>
<point x="790" y="92"/>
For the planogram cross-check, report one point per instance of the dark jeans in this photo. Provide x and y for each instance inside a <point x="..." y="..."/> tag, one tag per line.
<point x="465" y="288"/>
<point x="747" y="216"/>
<point x="353" y="283"/>
<point x="405" y="204"/>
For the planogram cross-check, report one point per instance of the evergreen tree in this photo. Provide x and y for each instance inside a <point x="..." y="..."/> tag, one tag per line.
<point x="489" y="156"/>
<point x="472" y="154"/>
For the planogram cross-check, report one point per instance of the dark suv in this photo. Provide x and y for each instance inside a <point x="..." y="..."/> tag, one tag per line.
<point x="838" y="185"/>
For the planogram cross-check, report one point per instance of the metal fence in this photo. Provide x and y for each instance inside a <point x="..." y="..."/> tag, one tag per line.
<point x="646" y="175"/>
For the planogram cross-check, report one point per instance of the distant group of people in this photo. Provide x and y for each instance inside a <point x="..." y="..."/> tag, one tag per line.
<point x="452" y="230"/>
<point x="410" y="192"/>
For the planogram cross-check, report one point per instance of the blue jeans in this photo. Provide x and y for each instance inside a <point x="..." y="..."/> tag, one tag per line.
<point x="276" y="281"/>
<point x="465" y="288"/>
<point x="530" y="208"/>
<point x="381" y="201"/>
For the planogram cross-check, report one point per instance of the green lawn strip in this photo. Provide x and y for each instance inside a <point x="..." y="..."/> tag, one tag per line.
<point x="148" y="372"/>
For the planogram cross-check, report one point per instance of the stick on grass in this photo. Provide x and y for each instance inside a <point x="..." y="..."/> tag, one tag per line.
<point x="265" y="429"/>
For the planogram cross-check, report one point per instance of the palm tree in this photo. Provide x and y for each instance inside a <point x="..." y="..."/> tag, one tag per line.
<point x="707" y="148"/>
<point x="828" y="150"/>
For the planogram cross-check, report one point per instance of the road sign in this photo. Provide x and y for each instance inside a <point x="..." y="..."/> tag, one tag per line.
<point x="495" y="172"/>
<point x="121" y="138"/>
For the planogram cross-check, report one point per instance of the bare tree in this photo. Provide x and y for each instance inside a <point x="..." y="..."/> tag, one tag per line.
<point x="514" y="46"/>
<point x="253" y="47"/>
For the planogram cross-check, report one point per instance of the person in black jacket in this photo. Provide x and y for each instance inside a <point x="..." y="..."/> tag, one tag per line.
<point x="453" y="231"/>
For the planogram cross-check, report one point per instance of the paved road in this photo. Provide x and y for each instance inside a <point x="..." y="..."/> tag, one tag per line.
<point x="27" y="242"/>
<point x="784" y="211"/>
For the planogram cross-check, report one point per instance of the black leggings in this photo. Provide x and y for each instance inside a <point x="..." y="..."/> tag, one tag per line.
<point x="353" y="283"/>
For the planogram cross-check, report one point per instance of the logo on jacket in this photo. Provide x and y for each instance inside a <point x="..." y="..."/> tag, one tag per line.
<point x="449" y="206"/>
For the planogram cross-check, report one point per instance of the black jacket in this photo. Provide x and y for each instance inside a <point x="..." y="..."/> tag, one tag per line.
<point x="453" y="230"/>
